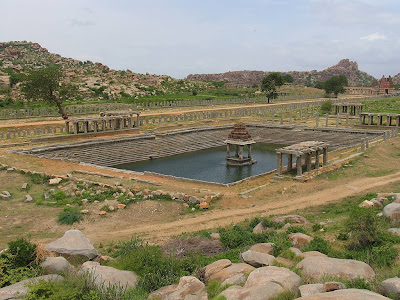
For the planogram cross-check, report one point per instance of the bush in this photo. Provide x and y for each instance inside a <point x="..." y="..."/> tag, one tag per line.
<point x="23" y="252"/>
<point x="381" y="256"/>
<point x="38" y="179"/>
<point x="319" y="244"/>
<point x="317" y="227"/>
<point x="296" y="229"/>
<point x="326" y="107"/>
<point x="69" y="216"/>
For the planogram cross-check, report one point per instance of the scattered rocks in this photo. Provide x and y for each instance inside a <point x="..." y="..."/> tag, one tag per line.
<point x="267" y="248"/>
<point x="366" y="203"/>
<point x="300" y="238"/>
<point x="311" y="289"/>
<point x="226" y="272"/>
<point x="84" y="211"/>
<point x="204" y="205"/>
<point x="189" y="288"/>
<point x="294" y="219"/>
<point x="317" y="267"/>
<point x="102" y="213"/>
<point x="265" y="290"/>
<point x="121" y="206"/>
<point x="73" y="243"/>
<point x="257" y="259"/>
<point x="333" y="286"/>
<point x="108" y="276"/>
<point x="28" y="198"/>
<point x="24" y="186"/>
<point x="215" y="236"/>
<point x="391" y="287"/>
<point x="392" y="211"/>
<point x="5" y="195"/>
<point x="353" y="294"/>
<point x="56" y="265"/>
<point x="261" y="228"/>
<point x="20" y="289"/>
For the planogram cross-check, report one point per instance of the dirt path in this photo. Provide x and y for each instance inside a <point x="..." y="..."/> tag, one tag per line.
<point x="174" y="112"/>
<point x="224" y="217"/>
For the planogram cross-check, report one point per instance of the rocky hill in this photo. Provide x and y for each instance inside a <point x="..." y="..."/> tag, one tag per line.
<point x="93" y="79"/>
<point x="248" y="78"/>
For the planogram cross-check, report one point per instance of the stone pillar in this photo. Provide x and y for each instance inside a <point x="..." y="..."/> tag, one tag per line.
<point x="326" y="120"/>
<point x="298" y="165"/>
<point x="366" y="143"/>
<point x="67" y="127"/>
<point x="317" y="120"/>
<point x="95" y="126"/>
<point x="237" y="151"/>
<point x="249" y="152"/>
<point x="85" y="125"/>
<point x="76" y="127"/>
<point x="317" y="159"/>
<point x="308" y="162"/>
<point x="241" y="152"/>
<point x="289" y="165"/>
<point x="228" y="150"/>
<point x="337" y="120"/>
<point x="325" y="156"/>
<point x="279" y="167"/>
<point x="362" y="145"/>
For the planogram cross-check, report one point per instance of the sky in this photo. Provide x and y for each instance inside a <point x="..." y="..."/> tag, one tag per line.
<point x="181" y="37"/>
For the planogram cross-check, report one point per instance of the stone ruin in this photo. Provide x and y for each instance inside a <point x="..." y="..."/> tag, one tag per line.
<point x="239" y="138"/>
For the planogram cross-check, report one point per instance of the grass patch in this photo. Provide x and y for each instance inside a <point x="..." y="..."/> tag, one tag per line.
<point x="69" y="216"/>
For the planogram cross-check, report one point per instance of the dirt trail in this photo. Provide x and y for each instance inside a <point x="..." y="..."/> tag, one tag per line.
<point x="217" y="218"/>
<point x="161" y="113"/>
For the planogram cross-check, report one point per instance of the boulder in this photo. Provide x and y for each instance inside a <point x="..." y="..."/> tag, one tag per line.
<point x="28" y="198"/>
<point x="73" y="243"/>
<point x="257" y="259"/>
<point x="312" y="253"/>
<point x="296" y="251"/>
<point x="24" y="186"/>
<point x="267" y="248"/>
<point x="395" y="231"/>
<point x="215" y="236"/>
<point x="264" y="291"/>
<point x="56" y="265"/>
<point x="216" y="267"/>
<point x="392" y="211"/>
<point x="284" y="261"/>
<point x="352" y="294"/>
<point x="300" y="238"/>
<point x="261" y="228"/>
<point x="189" y="288"/>
<point x="108" y="276"/>
<point x="294" y="219"/>
<point x="333" y="286"/>
<point x="284" y="277"/>
<point x="391" y="287"/>
<point x="20" y="289"/>
<point x="54" y="181"/>
<point x="311" y="289"/>
<point x="318" y="267"/>
<point x="233" y="274"/>
<point x="366" y="203"/>
<point x="5" y="195"/>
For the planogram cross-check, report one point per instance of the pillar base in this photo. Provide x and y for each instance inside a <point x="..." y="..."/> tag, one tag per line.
<point x="237" y="162"/>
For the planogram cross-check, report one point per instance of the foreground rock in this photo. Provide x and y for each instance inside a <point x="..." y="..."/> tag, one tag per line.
<point x="349" y="294"/>
<point x="189" y="288"/>
<point x="20" y="289"/>
<point x="226" y="272"/>
<point x="267" y="248"/>
<point x="284" y="277"/>
<point x="311" y="289"/>
<point x="392" y="211"/>
<point x="318" y="267"/>
<point x="263" y="291"/>
<point x="73" y="243"/>
<point x="257" y="259"/>
<point x="261" y="228"/>
<point x="395" y="231"/>
<point x="295" y="219"/>
<point x="108" y="276"/>
<point x="391" y="287"/>
<point x="300" y="239"/>
<point x="56" y="265"/>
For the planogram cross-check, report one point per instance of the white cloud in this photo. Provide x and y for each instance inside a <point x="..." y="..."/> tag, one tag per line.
<point x="374" y="37"/>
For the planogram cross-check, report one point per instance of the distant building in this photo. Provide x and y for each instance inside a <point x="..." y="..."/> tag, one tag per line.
<point x="383" y="87"/>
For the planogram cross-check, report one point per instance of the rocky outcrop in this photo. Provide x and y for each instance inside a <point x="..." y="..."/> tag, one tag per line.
<point x="108" y="276"/>
<point x="352" y="294"/>
<point x="226" y="272"/>
<point x="311" y="289"/>
<point x="257" y="259"/>
<point x="300" y="239"/>
<point x="391" y="287"/>
<point x="263" y="291"/>
<point x="189" y="288"/>
<point x="20" y="289"/>
<point x="73" y="243"/>
<point x="56" y="265"/>
<point x="318" y="267"/>
<point x="267" y="248"/>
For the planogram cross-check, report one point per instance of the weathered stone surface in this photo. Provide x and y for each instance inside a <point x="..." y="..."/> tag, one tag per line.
<point x="230" y="273"/>
<point x="284" y="277"/>
<point x="311" y="289"/>
<point x="300" y="238"/>
<point x="28" y="198"/>
<point x="189" y="288"/>
<point x="392" y="211"/>
<point x="395" y="231"/>
<point x="284" y="261"/>
<point x="366" y="203"/>
<point x="296" y="251"/>
<point x="312" y="253"/>
<point x="5" y="195"/>
<point x="267" y="248"/>
<point x="54" y="181"/>
<point x="108" y="276"/>
<point x="216" y="267"/>
<point x="20" y="289"/>
<point x="349" y="294"/>
<point x="319" y="266"/>
<point x="390" y="287"/>
<point x="295" y="219"/>
<point x="257" y="259"/>
<point x="215" y="236"/>
<point x="73" y="243"/>
<point x="260" y="228"/>
<point x="333" y="286"/>
<point x="24" y="186"/>
<point x="264" y="291"/>
<point x="55" y="265"/>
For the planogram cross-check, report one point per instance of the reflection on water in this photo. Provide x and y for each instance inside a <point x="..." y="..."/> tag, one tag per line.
<point x="210" y="165"/>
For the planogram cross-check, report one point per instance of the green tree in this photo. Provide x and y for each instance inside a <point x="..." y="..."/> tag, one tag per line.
<point x="47" y="85"/>
<point x="288" y="78"/>
<point x="335" y="85"/>
<point x="270" y="84"/>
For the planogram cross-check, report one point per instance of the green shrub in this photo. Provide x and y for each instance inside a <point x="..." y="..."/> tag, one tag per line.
<point x="343" y="236"/>
<point x="326" y="106"/>
<point x="317" y="227"/>
<point x="214" y="288"/>
<point x="38" y="179"/>
<point x="319" y="244"/>
<point x="69" y="216"/>
<point x="235" y="237"/>
<point x="23" y="252"/>
<point x="296" y="229"/>
<point x="58" y="196"/>
<point x="380" y="256"/>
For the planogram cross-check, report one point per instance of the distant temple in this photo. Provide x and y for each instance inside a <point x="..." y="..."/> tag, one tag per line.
<point x="383" y="87"/>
